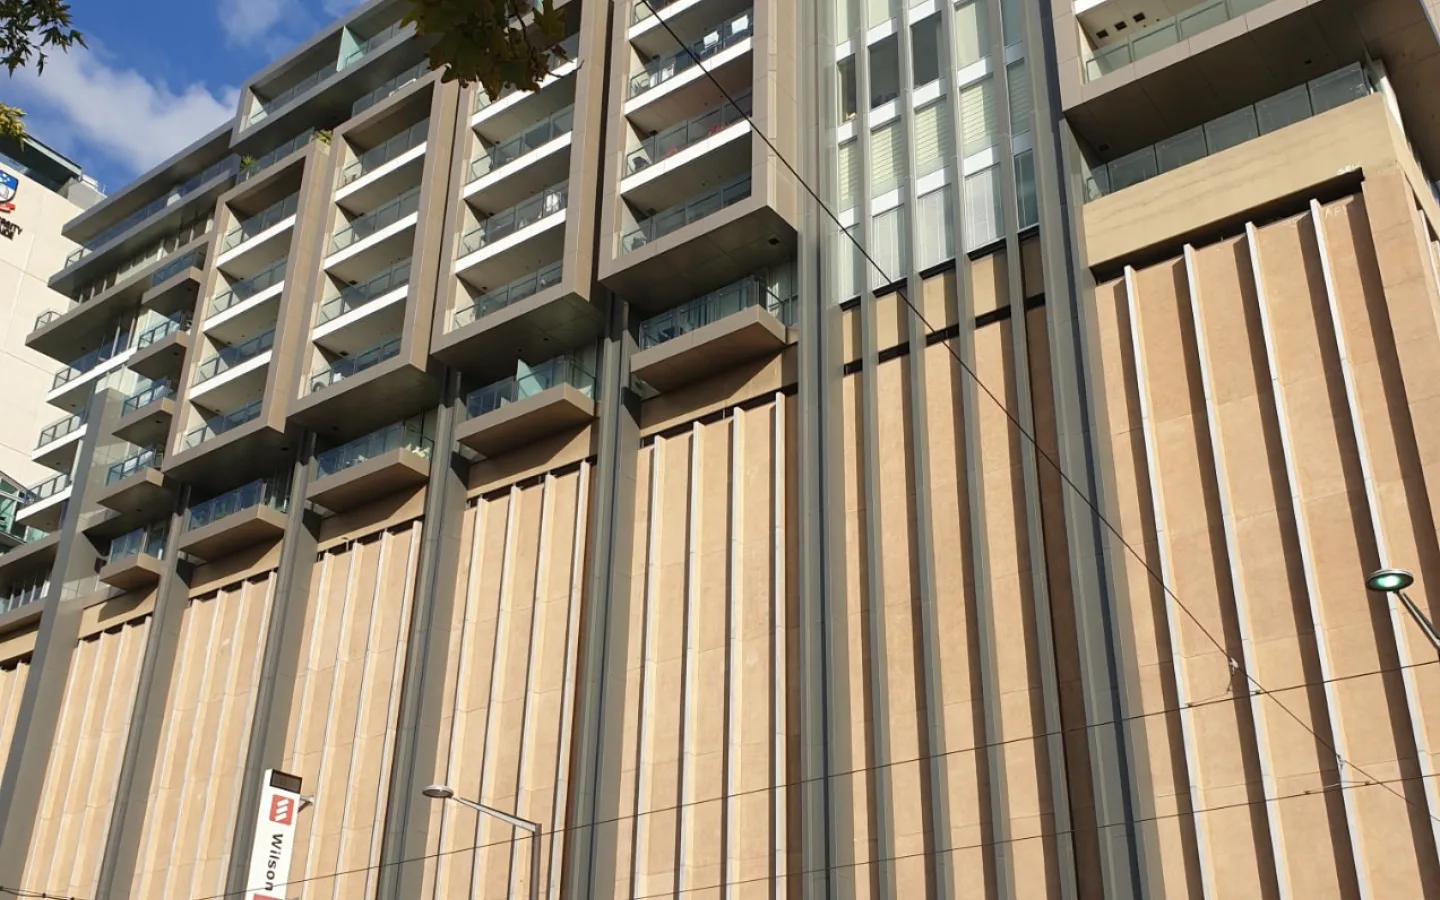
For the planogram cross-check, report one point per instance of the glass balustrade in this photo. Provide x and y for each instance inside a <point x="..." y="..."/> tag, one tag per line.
<point x="658" y="71"/>
<point x="45" y="318"/>
<point x="48" y="488"/>
<point x="522" y="215"/>
<point x="661" y="224"/>
<point x="408" y="434"/>
<point x="102" y="354"/>
<point x="672" y="140"/>
<point x="713" y="307"/>
<point x="365" y="47"/>
<point x="517" y="290"/>
<point x="152" y="393"/>
<point x="25" y="592"/>
<point x="537" y="136"/>
<point x="218" y="425"/>
<point x="149" y="541"/>
<point x="66" y="426"/>
<point x="149" y="458"/>
<point x="558" y="371"/>
<point x="228" y="358"/>
<point x="644" y="9"/>
<point x="347" y="368"/>
<point x="273" y="492"/>
<point x="376" y="220"/>
<point x="249" y="169"/>
<point x="355" y="296"/>
<point x="1166" y="33"/>
<point x="376" y="157"/>
<point x="369" y="99"/>
<point x="161" y="330"/>
<point x="241" y="291"/>
<point x="10" y="506"/>
<point x="163" y="249"/>
<point x="265" y="108"/>
<point x="227" y="166"/>
<point x="261" y="221"/>
<point x="567" y="50"/>
<point x="163" y="274"/>
<point x="1232" y="129"/>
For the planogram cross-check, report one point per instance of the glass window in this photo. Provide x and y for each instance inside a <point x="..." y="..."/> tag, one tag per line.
<point x="887" y="248"/>
<point x="846" y="260"/>
<point x="849" y="172"/>
<point x="977" y="116"/>
<point x="880" y="11"/>
<point x="1012" y="22"/>
<point x="925" y="50"/>
<point x="884" y="71"/>
<point x="982" y="208"/>
<point x="845" y="19"/>
<point x="934" y="138"/>
<point x="887" y="158"/>
<point x="1028" y="205"/>
<point x="935" y="225"/>
<point x="1020" y="103"/>
<point x="972" y="26"/>
<point x="847" y="89"/>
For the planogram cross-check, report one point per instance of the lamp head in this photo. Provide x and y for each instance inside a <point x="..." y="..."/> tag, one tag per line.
<point x="1389" y="581"/>
<point x="438" y="792"/>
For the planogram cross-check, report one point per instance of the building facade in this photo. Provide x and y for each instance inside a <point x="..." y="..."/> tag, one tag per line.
<point x="827" y="449"/>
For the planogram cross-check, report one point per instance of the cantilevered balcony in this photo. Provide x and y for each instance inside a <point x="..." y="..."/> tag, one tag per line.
<point x="247" y="305"/>
<point x="45" y="503"/>
<point x="145" y="415"/>
<point x="237" y="519"/>
<point x="383" y="226"/>
<point x="71" y="385"/>
<point x="135" y="558"/>
<point x="735" y="324"/>
<point x="395" y="152"/>
<point x="663" y="170"/>
<point x="690" y="20"/>
<point x="371" y="466"/>
<point x="347" y="367"/>
<point x="522" y="288"/>
<point x="538" y="401"/>
<point x="501" y="248"/>
<point x="389" y="87"/>
<point x="511" y="170"/>
<point x="252" y="167"/>
<point x="232" y="373"/>
<point x="673" y="86"/>
<point x="357" y="301"/>
<point x="13" y="534"/>
<point x="135" y="487"/>
<point x="1118" y="49"/>
<point x="160" y="349"/>
<point x="514" y="110"/>
<point x="56" y="446"/>
<point x="654" y="228"/>
<point x="266" y="225"/>
<point x="222" y="423"/>
<point x="529" y="317"/>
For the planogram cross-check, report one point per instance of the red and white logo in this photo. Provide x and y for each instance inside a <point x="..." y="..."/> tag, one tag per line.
<point x="282" y="810"/>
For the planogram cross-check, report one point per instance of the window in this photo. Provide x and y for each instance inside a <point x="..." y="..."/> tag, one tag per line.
<point x="982" y="208"/>
<point x="934" y="141"/>
<point x="879" y="11"/>
<point x="845" y="19"/>
<point x="847" y="89"/>
<point x="849" y="172"/>
<point x="887" y="158"/>
<point x="1027" y="203"/>
<point x="887" y="248"/>
<point x="935" y="225"/>
<point x="925" y="50"/>
<point x="884" y="71"/>
<point x="1012" y="22"/>
<point x="972" y="27"/>
<point x="977" y="116"/>
<point x="1018" y="77"/>
<point x="845" y="258"/>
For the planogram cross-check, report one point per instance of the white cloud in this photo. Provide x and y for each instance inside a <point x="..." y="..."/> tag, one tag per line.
<point x="117" y="112"/>
<point x="337" y="8"/>
<point x="249" y="22"/>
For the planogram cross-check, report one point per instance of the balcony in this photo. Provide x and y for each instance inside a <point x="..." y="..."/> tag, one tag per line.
<point x="25" y="591"/>
<point x="537" y="402"/>
<point x="160" y="349"/>
<point x="531" y="223"/>
<point x="515" y="168"/>
<point x="45" y="318"/>
<point x="1166" y="33"/>
<point x="145" y="415"/>
<point x="260" y="287"/>
<point x="389" y="87"/>
<point x="379" y="157"/>
<point x="367" y="46"/>
<point x="135" y="486"/>
<point x="237" y="519"/>
<point x="1316" y="96"/>
<point x="530" y="316"/>
<point x="134" y="558"/>
<point x="233" y="358"/>
<point x="514" y="110"/>
<point x="397" y="214"/>
<point x="276" y="216"/>
<point x="352" y="366"/>
<point x="649" y="230"/>
<point x="58" y="443"/>
<point x="45" y="503"/>
<point x="250" y="168"/>
<point x="359" y="296"/>
<point x="221" y="424"/>
<point x="690" y="20"/>
<point x="674" y="86"/>
<point x="713" y="333"/>
<point x="658" y="71"/>
<point x="521" y="288"/>
<point x="688" y="158"/>
<point x="71" y="385"/>
<point x="372" y="466"/>
<point x="69" y="426"/>
<point x="195" y="259"/>
<point x="266" y="108"/>
<point x="13" y="534"/>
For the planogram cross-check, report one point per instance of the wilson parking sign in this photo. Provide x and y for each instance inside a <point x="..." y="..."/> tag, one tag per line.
<point x="274" y="837"/>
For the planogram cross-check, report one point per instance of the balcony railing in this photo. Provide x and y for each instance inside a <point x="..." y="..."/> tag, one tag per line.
<point x="658" y="71"/>
<point x="48" y="488"/>
<point x="105" y="352"/>
<point x="161" y="330"/>
<point x="273" y="492"/>
<point x="283" y="99"/>
<point x="517" y="290"/>
<point x="228" y="165"/>
<point x="558" y="371"/>
<point x="256" y="166"/>
<point x="661" y="224"/>
<point x="241" y="291"/>
<point x="163" y="274"/>
<point x="149" y="541"/>
<point x="153" y="393"/>
<point x="642" y="9"/>
<point x="713" y="307"/>
<point x="377" y="219"/>
<point x="407" y="434"/>
<point x="358" y="295"/>
<point x="10" y="505"/>
<point x="228" y="358"/>
<point x="563" y="52"/>
<point x="674" y="139"/>
<point x="365" y="47"/>
<point x="1167" y="33"/>
<point x="260" y="222"/>
<point x="537" y="136"/>
<point x="218" y="425"/>
<point x="522" y="215"/>
<point x="149" y="458"/>
<point x="1271" y="114"/>
<point x="45" y="318"/>
<point x="347" y="368"/>
<point x="66" y="426"/>
<point x="163" y="248"/>
<point x="417" y="71"/>
<point x="25" y="593"/>
<point x="376" y="157"/>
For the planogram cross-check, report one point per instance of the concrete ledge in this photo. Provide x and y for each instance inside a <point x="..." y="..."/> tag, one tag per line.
<point x="144" y="493"/>
<point x="691" y="357"/>
<point x="162" y="358"/>
<point x="234" y="532"/>
<point x="149" y="424"/>
<point x="523" y="421"/>
<point x="370" y="480"/>
<point x="132" y="572"/>
<point x="530" y="329"/>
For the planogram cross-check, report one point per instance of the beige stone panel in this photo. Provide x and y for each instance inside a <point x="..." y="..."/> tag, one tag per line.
<point x="1319" y="863"/>
<point x="1403" y="867"/>
<point x="1230" y="317"/>
<point x="12" y="687"/>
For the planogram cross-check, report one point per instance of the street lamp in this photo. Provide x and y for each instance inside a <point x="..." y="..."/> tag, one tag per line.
<point x="444" y="792"/>
<point x="1395" y="581"/>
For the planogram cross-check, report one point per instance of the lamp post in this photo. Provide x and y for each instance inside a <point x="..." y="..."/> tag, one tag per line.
<point x="1395" y="581"/>
<point x="444" y="792"/>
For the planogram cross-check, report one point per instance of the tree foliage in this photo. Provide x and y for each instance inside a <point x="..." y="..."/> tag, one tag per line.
<point x="28" y="28"/>
<point x="494" y="43"/>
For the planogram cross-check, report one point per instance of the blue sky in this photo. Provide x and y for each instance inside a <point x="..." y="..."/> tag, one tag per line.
<point x="157" y="75"/>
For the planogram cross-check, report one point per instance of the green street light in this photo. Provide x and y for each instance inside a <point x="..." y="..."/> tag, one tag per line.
<point x="1395" y="581"/>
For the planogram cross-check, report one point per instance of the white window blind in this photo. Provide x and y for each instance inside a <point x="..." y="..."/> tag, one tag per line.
<point x="971" y="32"/>
<point x="887" y="158"/>
<point x="935" y="221"/>
<point x="849" y="174"/>
<point x="844" y="19"/>
<point x="879" y="11"/>
<point x="982" y="208"/>
<point x="977" y="116"/>
<point x="845" y="258"/>
<point x="1019" y="81"/>
<point x="934" y="137"/>
<point x="887" y="248"/>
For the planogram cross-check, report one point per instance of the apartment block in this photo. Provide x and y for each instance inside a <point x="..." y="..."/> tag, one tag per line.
<point x="807" y="449"/>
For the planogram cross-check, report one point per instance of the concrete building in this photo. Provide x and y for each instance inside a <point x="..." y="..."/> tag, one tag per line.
<point x="559" y="447"/>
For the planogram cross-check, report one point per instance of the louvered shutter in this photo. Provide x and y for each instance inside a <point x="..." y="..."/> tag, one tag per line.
<point x="849" y="182"/>
<point x="1019" y="80"/>
<point x="977" y="116"/>
<point x="887" y="158"/>
<point x="887" y="239"/>
<point x="982" y="208"/>
<point x="935" y="221"/>
<point x="934" y="143"/>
